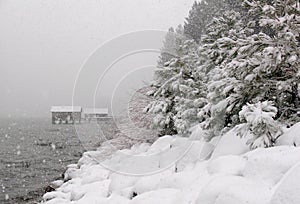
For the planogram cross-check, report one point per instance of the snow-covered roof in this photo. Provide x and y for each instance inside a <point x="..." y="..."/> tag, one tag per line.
<point x="95" y="111"/>
<point x="66" y="109"/>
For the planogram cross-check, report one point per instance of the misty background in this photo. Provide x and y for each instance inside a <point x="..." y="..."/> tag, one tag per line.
<point x="47" y="45"/>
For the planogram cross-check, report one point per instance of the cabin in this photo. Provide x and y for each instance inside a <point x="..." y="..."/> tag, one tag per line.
<point x="95" y="114"/>
<point x="66" y="114"/>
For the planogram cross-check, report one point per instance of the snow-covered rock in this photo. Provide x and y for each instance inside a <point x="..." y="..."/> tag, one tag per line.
<point x="151" y="182"/>
<point x="193" y="152"/>
<point x="120" y="181"/>
<point x="161" y="144"/>
<point x="94" y="173"/>
<point x="221" y="184"/>
<point x="230" y="144"/>
<point x="287" y="190"/>
<point x="197" y="133"/>
<point x="231" y="164"/>
<point x="112" y="199"/>
<point x="244" y="193"/>
<point x="165" y="196"/>
<point x="56" y="195"/>
<point x="291" y="137"/>
<point x="177" y="170"/>
<point x="269" y="165"/>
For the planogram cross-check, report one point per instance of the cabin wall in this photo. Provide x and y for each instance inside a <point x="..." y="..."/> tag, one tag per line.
<point x="94" y="116"/>
<point x="66" y="117"/>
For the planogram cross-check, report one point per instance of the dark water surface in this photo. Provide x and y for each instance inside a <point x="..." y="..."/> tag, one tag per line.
<point x="34" y="152"/>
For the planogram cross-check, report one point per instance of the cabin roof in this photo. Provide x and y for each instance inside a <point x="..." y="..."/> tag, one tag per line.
<point x="65" y="109"/>
<point x="95" y="111"/>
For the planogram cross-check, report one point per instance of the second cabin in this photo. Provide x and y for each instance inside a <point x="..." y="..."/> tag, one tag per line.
<point x="92" y="114"/>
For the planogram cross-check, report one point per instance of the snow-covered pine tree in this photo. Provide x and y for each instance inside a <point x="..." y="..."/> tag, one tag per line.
<point x="171" y="45"/>
<point x="218" y="47"/>
<point x="170" y="52"/>
<point x="258" y="124"/>
<point x="263" y="68"/>
<point x="202" y="13"/>
<point x="199" y="17"/>
<point x="139" y="124"/>
<point x="165" y="74"/>
<point x="267" y="67"/>
<point x="218" y="44"/>
<point x="180" y="91"/>
<point x="280" y="53"/>
<point x="190" y="89"/>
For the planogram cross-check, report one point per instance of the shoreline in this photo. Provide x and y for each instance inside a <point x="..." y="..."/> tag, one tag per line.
<point x="35" y="153"/>
<point x="184" y="181"/>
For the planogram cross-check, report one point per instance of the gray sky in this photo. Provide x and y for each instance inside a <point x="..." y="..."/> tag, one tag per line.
<point x="44" y="43"/>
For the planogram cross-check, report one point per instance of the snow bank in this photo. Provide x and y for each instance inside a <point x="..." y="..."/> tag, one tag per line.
<point x="291" y="137"/>
<point x="287" y="190"/>
<point x="233" y="165"/>
<point x="269" y="165"/>
<point x="244" y="192"/>
<point x="230" y="144"/>
<point x="165" y="196"/>
<point x="229" y="189"/>
<point x="181" y="170"/>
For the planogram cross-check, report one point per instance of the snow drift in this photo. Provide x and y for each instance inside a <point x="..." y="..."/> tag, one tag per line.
<point x="180" y="170"/>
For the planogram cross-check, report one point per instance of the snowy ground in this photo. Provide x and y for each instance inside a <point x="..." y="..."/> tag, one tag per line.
<point x="186" y="170"/>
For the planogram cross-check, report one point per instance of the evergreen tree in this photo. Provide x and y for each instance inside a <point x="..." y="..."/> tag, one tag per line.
<point x="165" y="74"/>
<point x="233" y="62"/>
<point x="171" y="45"/>
<point x="218" y="48"/>
<point x="264" y="67"/>
<point x="190" y="89"/>
<point x="258" y="124"/>
<point x="272" y="62"/>
<point x="179" y="91"/>
<point x="203" y="12"/>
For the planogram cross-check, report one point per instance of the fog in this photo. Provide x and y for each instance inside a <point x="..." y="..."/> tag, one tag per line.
<point x="48" y="45"/>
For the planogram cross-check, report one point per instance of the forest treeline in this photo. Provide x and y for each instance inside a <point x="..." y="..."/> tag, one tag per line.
<point x="233" y="64"/>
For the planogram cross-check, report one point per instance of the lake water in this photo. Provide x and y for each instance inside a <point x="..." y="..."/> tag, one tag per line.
<point x="34" y="152"/>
